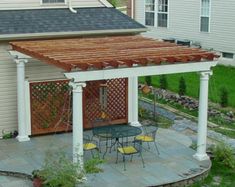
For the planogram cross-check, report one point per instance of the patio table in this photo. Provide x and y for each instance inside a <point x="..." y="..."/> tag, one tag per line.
<point x="115" y="132"/>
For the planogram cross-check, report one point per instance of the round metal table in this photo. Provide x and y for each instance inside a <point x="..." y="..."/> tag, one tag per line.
<point x="115" y="132"/>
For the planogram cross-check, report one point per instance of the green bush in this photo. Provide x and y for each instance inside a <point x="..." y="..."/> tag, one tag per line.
<point x="182" y="86"/>
<point x="224" y="97"/>
<point x="224" y="154"/>
<point x="163" y="82"/>
<point x="148" y="80"/>
<point x="91" y="166"/>
<point x="59" y="170"/>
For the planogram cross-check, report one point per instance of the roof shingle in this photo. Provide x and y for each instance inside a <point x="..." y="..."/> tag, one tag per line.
<point x="63" y="20"/>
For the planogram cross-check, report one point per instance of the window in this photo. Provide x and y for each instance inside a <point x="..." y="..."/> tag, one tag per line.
<point x="160" y="13"/>
<point x="205" y="15"/>
<point x="52" y="1"/>
<point x="227" y="55"/>
<point x="149" y="12"/>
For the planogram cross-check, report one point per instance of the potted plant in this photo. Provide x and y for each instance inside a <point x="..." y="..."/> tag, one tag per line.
<point x="58" y="171"/>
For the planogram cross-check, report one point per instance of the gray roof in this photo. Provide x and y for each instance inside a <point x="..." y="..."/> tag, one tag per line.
<point x="63" y="20"/>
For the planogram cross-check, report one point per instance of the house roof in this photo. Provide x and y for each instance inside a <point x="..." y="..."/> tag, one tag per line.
<point x="109" y="52"/>
<point x="15" y="22"/>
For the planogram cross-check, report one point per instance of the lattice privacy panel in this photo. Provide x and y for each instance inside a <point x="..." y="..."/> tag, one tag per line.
<point x="50" y="107"/>
<point x="117" y="106"/>
<point x="51" y="104"/>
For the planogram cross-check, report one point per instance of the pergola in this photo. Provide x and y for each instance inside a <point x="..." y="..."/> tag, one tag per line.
<point x="100" y="58"/>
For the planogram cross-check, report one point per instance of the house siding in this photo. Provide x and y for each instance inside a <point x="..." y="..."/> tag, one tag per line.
<point x="34" y="71"/>
<point x="184" y="23"/>
<point x="30" y="4"/>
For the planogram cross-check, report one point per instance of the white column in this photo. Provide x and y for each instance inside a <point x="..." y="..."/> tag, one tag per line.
<point x="202" y="117"/>
<point x="22" y="125"/>
<point x="77" y="122"/>
<point x="133" y="101"/>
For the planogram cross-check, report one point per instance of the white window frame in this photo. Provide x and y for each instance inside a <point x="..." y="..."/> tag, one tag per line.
<point x="53" y="4"/>
<point x="209" y="16"/>
<point x="156" y="12"/>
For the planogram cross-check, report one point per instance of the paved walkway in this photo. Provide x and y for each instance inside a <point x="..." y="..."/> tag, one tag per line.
<point x="174" y="163"/>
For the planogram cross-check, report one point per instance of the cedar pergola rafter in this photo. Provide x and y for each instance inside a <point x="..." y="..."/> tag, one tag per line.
<point x="103" y="52"/>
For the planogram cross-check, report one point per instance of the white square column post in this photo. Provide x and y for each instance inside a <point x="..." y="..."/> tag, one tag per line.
<point x="22" y="125"/>
<point x="77" y="122"/>
<point x="202" y="117"/>
<point x="133" y="101"/>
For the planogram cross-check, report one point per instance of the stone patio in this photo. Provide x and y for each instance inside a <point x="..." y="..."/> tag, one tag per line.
<point x="175" y="162"/>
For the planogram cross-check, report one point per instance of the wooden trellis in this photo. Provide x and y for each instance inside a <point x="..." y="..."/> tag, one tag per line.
<point x="50" y="107"/>
<point x="51" y="104"/>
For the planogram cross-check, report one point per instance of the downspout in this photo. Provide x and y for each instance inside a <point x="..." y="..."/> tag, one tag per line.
<point x="71" y="8"/>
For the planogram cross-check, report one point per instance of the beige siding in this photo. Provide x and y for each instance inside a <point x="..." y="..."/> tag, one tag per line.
<point x="184" y="23"/>
<point x="35" y="70"/>
<point x="19" y="4"/>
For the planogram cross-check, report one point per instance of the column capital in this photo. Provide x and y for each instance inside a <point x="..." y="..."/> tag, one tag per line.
<point x="205" y="74"/>
<point x="21" y="61"/>
<point x="77" y="86"/>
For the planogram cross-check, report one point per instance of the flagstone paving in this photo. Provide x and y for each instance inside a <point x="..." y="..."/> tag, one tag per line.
<point x="174" y="163"/>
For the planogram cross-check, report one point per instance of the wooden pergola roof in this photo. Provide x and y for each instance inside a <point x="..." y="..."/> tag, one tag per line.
<point x="110" y="51"/>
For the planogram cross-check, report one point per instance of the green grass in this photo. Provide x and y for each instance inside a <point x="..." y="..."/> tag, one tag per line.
<point x="222" y="77"/>
<point x="226" y="174"/>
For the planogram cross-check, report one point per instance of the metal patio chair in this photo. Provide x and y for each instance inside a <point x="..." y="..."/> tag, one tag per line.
<point x="90" y="145"/>
<point x="149" y="136"/>
<point x="107" y="137"/>
<point x="129" y="148"/>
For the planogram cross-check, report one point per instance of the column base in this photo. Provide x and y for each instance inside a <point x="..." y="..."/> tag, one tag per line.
<point x="135" y="124"/>
<point x="23" y="138"/>
<point x="201" y="157"/>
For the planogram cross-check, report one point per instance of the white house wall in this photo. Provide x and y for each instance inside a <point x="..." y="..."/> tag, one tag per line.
<point x="17" y="4"/>
<point x="35" y="70"/>
<point x="184" y="23"/>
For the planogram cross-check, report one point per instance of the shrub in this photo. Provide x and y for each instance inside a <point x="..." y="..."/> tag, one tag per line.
<point x="59" y="170"/>
<point x="182" y="86"/>
<point x="224" y="154"/>
<point x="224" y="97"/>
<point x="148" y="80"/>
<point x="91" y="166"/>
<point x="163" y="82"/>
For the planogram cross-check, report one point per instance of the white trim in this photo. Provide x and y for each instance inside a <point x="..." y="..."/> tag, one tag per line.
<point x="81" y="76"/>
<point x="70" y="34"/>
<point x="27" y="107"/>
<point x="106" y="3"/>
<point x="53" y="4"/>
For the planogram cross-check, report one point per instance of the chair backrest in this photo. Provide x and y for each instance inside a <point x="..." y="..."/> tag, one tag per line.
<point x="150" y="130"/>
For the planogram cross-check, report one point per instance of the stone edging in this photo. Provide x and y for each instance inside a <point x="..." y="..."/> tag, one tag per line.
<point x="188" y="181"/>
<point x="16" y="174"/>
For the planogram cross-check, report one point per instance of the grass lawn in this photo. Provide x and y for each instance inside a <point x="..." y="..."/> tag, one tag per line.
<point x="219" y="175"/>
<point x="222" y="77"/>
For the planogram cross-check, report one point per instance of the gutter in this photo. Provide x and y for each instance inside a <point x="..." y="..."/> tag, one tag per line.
<point x="48" y="35"/>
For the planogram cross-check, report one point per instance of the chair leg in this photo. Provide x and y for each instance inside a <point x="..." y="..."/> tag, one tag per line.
<point x="92" y="154"/>
<point x="124" y="161"/>
<point x="117" y="158"/>
<point x="99" y="146"/>
<point x="142" y="160"/>
<point x="148" y="145"/>
<point x="156" y="148"/>
<point x="98" y="152"/>
<point x="131" y="157"/>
